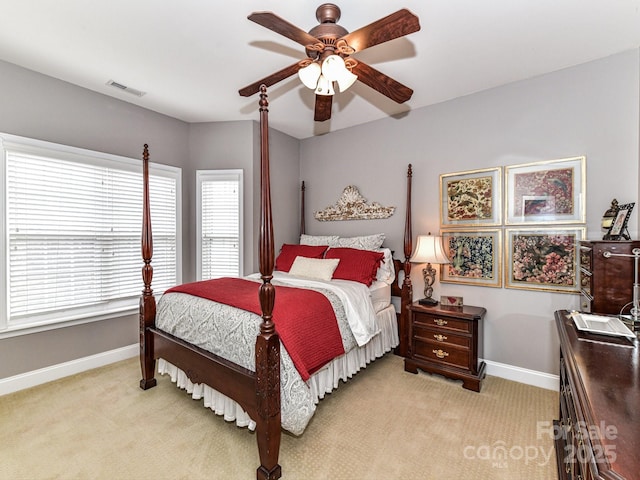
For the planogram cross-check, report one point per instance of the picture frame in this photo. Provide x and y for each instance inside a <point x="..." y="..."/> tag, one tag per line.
<point x="543" y="258"/>
<point x="471" y="198"/>
<point x="618" y="228"/>
<point x="546" y="192"/>
<point x="475" y="257"/>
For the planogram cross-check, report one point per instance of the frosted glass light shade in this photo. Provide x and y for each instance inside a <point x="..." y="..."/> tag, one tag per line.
<point x="325" y="86"/>
<point x="309" y="75"/>
<point x="346" y="80"/>
<point x="334" y="69"/>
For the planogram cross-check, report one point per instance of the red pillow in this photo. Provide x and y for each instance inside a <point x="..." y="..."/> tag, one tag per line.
<point x="355" y="264"/>
<point x="288" y="254"/>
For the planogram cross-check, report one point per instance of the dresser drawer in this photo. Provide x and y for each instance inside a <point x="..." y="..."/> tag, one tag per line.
<point x="585" y="257"/>
<point x="585" y="302"/>
<point x="442" y="323"/>
<point x="585" y="281"/>
<point x="441" y="336"/>
<point x="440" y="353"/>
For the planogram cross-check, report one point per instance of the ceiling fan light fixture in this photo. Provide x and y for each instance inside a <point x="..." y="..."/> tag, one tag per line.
<point x="310" y="75"/>
<point x="332" y="67"/>
<point x="346" y="80"/>
<point x="335" y="70"/>
<point x="325" y="86"/>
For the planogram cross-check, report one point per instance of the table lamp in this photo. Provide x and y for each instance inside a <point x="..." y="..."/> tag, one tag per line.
<point x="429" y="250"/>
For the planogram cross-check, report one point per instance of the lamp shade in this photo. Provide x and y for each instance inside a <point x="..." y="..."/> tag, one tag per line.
<point x="334" y="69"/>
<point x="309" y="75"/>
<point x="346" y="80"/>
<point x="429" y="250"/>
<point x="325" y="86"/>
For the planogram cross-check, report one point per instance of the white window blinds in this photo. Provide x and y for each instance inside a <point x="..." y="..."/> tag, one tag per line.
<point x="219" y="223"/>
<point x="74" y="222"/>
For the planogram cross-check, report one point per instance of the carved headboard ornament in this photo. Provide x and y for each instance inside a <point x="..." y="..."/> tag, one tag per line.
<point x="353" y="206"/>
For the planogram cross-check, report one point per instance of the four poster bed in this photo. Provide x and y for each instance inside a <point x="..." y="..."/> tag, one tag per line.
<point x="240" y="367"/>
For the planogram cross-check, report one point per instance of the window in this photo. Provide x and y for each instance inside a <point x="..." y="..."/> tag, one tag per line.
<point x="219" y="223"/>
<point x="73" y="220"/>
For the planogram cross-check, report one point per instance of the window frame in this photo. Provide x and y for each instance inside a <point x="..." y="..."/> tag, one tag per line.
<point x="84" y="156"/>
<point x="218" y="175"/>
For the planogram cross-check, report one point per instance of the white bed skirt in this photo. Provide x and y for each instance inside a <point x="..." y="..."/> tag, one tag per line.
<point x="322" y="382"/>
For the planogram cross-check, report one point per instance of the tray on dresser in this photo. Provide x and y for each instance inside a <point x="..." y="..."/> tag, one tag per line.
<point x="601" y="324"/>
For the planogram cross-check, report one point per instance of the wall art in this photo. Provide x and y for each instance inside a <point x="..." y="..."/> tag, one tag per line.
<point x="353" y="206"/>
<point x="471" y="198"/>
<point x="548" y="192"/>
<point x="543" y="258"/>
<point x="475" y="257"/>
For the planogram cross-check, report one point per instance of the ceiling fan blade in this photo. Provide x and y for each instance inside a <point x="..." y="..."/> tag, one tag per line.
<point x="270" y="80"/>
<point x="396" y="25"/>
<point x="323" y="108"/>
<point x="382" y="83"/>
<point x="273" y="22"/>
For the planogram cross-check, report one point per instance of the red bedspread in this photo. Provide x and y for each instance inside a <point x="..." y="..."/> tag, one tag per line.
<point x="304" y="319"/>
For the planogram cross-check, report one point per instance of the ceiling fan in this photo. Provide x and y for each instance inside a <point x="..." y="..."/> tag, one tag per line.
<point x="329" y="47"/>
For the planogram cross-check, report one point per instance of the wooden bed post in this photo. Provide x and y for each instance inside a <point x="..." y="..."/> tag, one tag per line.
<point x="147" y="300"/>
<point x="407" y="288"/>
<point x="268" y="426"/>
<point x="302" y="220"/>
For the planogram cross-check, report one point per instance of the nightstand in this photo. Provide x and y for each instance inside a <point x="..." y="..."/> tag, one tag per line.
<point x="447" y="341"/>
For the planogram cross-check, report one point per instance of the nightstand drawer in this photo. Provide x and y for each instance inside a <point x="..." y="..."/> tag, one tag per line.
<point x="442" y="322"/>
<point x="447" y="341"/>
<point x="441" y="336"/>
<point x="439" y="353"/>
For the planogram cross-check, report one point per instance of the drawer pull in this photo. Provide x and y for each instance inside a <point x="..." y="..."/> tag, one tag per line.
<point x="439" y="337"/>
<point x="440" y="322"/>
<point x="440" y="353"/>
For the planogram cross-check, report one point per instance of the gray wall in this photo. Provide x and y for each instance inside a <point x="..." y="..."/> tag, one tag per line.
<point x="237" y="145"/>
<point x="41" y="107"/>
<point x="591" y="110"/>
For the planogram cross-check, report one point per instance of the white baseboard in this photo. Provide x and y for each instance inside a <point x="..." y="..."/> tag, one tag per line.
<point x="523" y="375"/>
<point x="55" y="372"/>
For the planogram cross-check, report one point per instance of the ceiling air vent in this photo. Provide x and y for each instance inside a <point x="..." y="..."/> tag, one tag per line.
<point x="124" y="88"/>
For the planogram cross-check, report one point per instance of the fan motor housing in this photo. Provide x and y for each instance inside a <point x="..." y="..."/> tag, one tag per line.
<point x="328" y="14"/>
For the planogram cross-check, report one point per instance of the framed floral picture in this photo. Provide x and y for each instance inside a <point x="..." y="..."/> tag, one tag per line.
<point x="549" y="192"/>
<point x="471" y="198"/>
<point x="474" y="257"/>
<point x="543" y="258"/>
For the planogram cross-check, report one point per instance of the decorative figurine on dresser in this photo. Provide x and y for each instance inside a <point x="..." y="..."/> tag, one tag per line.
<point x="447" y="340"/>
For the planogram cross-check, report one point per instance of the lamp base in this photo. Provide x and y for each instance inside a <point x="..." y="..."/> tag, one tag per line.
<point x="430" y="302"/>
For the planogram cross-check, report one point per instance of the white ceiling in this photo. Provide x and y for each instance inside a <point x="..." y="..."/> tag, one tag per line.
<point x="192" y="56"/>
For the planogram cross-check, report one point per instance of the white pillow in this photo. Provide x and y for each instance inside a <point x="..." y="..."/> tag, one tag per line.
<point x="363" y="242"/>
<point x="315" y="268"/>
<point x="386" y="273"/>
<point x="318" y="240"/>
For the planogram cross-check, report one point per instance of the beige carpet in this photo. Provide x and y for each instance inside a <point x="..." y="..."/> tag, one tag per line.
<point x="383" y="424"/>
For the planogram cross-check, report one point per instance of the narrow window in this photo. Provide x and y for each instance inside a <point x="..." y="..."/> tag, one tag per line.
<point x="219" y="223"/>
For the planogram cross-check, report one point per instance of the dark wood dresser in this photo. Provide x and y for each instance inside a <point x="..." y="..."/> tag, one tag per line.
<point x="598" y="433"/>
<point x="448" y="341"/>
<point x="606" y="284"/>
